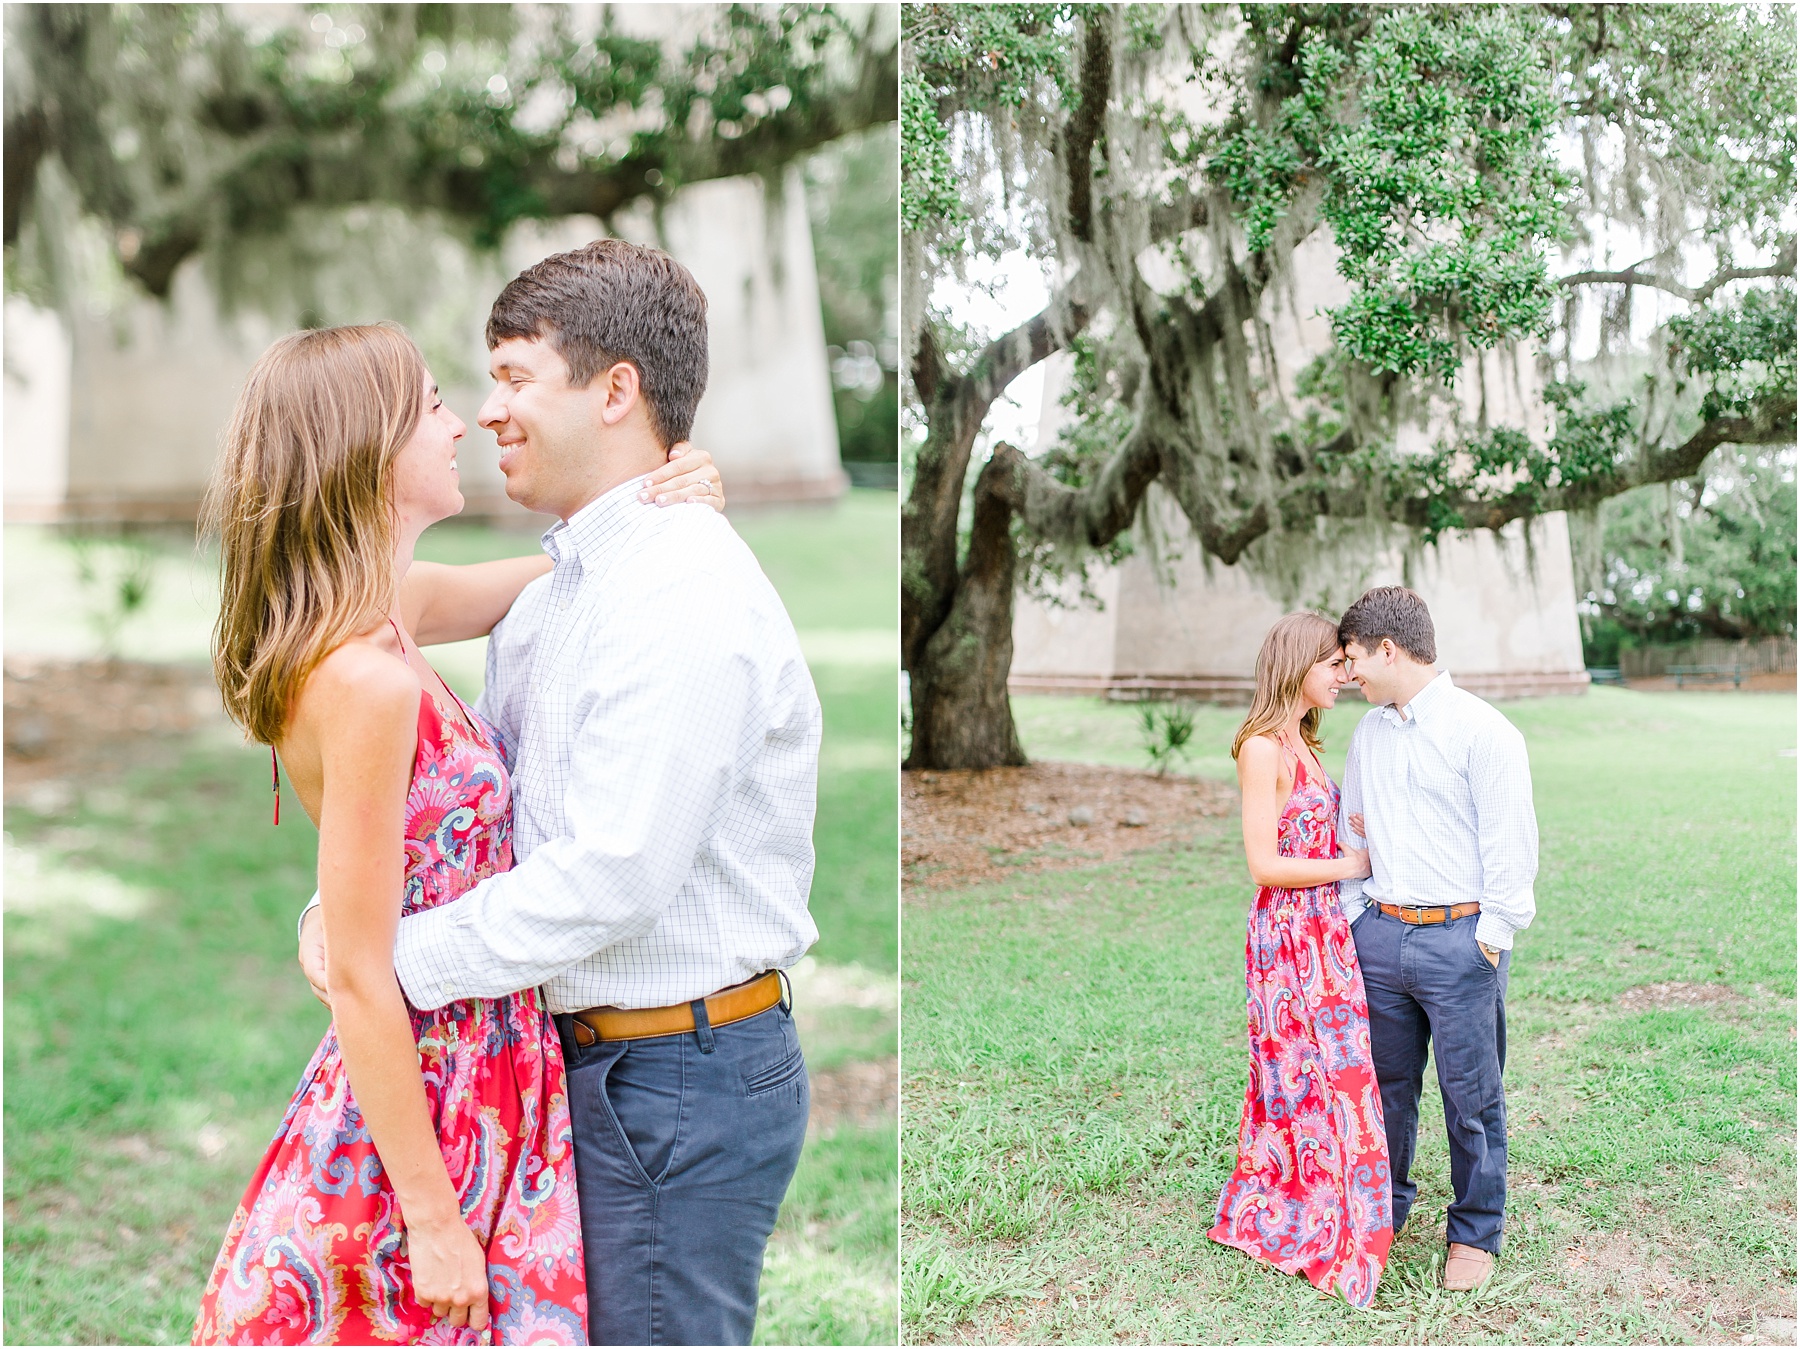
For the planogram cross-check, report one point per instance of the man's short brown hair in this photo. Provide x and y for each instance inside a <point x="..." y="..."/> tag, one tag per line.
<point x="612" y="301"/>
<point x="1393" y="612"/>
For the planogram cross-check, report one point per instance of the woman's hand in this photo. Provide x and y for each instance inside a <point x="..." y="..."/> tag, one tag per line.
<point x="1357" y="859"/>
<point x="449" y="1271"/>
<point x="688" y="476"/>
<point x="1358" y="826"/>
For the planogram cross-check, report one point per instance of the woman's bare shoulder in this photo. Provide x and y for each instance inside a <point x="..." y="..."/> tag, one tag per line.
<point x="356" y="684"/>
<point x="1260" y="750"/>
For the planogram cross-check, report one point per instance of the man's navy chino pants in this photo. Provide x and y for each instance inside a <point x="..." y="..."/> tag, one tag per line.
<point x="1432" y="991"/>
<point x="684" y="1147"/>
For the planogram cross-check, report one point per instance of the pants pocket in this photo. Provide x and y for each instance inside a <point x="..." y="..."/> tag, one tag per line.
<point x="1479" y="955"/>
<point x="775" y="1076"/>
<point x="642" y="1091"/>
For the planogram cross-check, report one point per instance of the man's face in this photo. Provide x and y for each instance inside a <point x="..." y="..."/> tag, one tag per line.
<point x="547" y="428"/>
<point x="1373" y="669"/>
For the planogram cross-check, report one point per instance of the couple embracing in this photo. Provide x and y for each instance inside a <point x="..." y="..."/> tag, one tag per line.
<point x="1381" y="932"/>
<point x="561" y="1096"/>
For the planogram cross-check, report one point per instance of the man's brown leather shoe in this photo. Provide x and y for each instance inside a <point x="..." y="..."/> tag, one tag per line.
<point x="1467" y="1267"/>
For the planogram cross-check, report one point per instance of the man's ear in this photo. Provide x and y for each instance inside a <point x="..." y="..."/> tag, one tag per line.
<point x="620" y="390"/>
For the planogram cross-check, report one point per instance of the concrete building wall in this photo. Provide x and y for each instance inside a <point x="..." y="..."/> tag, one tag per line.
<point x="1505" y="627"/>
<point x="145" y="391"/>
<point x="37" y="411"/>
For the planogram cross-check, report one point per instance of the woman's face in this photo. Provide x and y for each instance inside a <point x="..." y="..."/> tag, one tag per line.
<point x="1320" y="687"/>
<point x="426" y="486"/>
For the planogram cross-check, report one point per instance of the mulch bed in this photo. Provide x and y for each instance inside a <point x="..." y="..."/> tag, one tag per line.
<point x="963" y="828"/>
<point x="866" y="1095"/>
<point x="85" y="721"/>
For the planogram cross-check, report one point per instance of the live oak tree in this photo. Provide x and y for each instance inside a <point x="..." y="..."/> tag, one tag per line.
<point x="1467" y="162"/>
<point x="245" y="134"/>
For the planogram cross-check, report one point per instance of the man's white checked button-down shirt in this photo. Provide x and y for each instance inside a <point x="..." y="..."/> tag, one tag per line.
<point x="1445" y="791"/>
<point x="664" y="738"/>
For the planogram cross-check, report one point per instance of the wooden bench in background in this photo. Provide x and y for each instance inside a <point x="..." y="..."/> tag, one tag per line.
<point x="1706" y="674"/>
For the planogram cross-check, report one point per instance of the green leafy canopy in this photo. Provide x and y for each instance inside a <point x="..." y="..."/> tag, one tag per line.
<point x="203" y="128"/>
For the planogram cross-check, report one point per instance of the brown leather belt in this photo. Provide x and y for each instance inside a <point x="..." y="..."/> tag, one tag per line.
<point x="1439" y="913"/>
<point x="646" y="1023"/>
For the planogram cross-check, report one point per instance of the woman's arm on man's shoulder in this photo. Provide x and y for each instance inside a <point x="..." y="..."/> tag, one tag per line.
<point x="443" y="603"/>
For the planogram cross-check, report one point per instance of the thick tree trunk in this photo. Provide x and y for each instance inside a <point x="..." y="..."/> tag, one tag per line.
<point x="956" y="620"/>
<point x="962" y="717"/>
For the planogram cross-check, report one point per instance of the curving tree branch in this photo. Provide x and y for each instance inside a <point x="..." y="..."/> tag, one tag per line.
<point x="1772" y="425"/>
<point x="956" y="405"/>
<point x="1632" y="276"/>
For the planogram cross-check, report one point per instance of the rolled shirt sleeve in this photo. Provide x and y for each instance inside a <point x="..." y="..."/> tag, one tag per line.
<point x="1507" y="835"/>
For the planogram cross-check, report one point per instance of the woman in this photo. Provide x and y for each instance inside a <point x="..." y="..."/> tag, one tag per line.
<point x="1309" y="1194"/>
<point x="425" y="1163"/>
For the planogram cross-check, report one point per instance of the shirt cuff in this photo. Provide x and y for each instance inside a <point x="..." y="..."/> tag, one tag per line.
<point x="422" y="964"/>
<point x="1493" y="930"/>
<point x="311" y="904"/>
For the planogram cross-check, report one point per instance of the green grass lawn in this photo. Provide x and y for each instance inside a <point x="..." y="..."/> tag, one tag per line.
<point x="1074" y="1064"/>
<point x="149" y="1058"/>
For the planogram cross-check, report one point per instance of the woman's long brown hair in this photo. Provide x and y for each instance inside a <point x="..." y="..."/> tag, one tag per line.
<point x="1294" y="645"/>
<point x="301" y="505"/>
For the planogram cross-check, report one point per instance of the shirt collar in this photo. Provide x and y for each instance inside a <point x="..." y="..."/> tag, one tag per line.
<point x="1424" y="701"/>
<point x="596" y="532"/>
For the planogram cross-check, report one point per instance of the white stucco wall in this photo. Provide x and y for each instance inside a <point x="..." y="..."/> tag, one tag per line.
<point x="1503" y="626"/>
<point x="145" y="391"/>
<point x="37" y="363"/>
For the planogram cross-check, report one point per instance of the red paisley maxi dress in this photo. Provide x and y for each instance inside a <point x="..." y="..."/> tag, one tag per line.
<point x="1310" y="1192"/>
<point x="316" y="1252"/>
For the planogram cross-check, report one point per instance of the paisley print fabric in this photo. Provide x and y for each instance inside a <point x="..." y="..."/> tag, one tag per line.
<point x="316" y="1253"/>
<point x="1310" y="1192"/>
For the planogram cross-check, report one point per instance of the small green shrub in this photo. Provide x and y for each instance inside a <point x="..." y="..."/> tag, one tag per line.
<point x="1165" y="730"/>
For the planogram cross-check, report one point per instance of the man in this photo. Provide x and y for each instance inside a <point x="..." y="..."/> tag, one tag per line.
<point x="1437" y="783"/>
<point x="664" y="735"/>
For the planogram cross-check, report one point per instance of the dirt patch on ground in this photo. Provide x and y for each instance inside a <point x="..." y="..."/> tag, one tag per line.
<point x="71" y="722"/>
<point x="1616" y="1266"/>
<point x="866" y="1095"/>
<point x="962" y="828"/>
<point x="1646" y="997"/>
